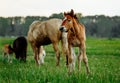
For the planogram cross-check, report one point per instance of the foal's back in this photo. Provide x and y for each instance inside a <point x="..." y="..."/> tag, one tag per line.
<point x="44" y="32"/>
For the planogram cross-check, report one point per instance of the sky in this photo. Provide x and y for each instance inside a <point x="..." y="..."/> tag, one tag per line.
<point x="48" y="7"/>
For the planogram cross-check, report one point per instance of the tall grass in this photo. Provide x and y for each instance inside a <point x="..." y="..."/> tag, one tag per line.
<point x="104" y="62"/>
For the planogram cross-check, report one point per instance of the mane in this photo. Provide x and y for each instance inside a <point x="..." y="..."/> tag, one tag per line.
<point x="73" y="15"/>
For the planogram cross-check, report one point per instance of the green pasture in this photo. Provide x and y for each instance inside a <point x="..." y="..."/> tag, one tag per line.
<point x="104" y="62"/>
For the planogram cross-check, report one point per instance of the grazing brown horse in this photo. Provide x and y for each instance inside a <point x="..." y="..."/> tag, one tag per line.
<point x="44" y="33"/>
<point x="73" y="35"/>
<point x="7" y="52"/>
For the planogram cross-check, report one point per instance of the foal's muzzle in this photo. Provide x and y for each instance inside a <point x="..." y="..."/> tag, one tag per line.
<point x="63" y="29"/>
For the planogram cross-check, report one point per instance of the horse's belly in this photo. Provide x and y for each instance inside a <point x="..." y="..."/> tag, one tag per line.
<point x="43" y="41"/>
<point x="46" y="41"/>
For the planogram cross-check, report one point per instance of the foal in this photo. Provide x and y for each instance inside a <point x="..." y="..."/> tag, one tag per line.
<point x="73" y="35"/>
<point x="44" y="33"/>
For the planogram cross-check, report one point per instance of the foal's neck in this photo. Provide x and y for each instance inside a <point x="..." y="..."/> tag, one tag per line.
<point x="76" y="26"/>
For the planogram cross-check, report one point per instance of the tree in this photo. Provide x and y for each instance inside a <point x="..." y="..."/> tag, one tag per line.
<point x="3" y="26"/>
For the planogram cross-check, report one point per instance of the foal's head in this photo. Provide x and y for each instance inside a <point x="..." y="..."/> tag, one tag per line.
<point x="68" y="21"/>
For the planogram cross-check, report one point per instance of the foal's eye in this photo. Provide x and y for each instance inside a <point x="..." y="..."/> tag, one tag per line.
<point x="69" y="20"/>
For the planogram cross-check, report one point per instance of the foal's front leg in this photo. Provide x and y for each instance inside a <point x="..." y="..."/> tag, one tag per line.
<point x="10" y="58"/>
<point x="71" y="59"/>
<point x="37" y="56"/>
<point x="74" y="57"/>
<point x="56" y="49"/>
<point x="36" y="52"/>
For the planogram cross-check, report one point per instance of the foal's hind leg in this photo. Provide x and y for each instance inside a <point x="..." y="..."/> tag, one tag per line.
<point x="85" y="59"/>
<point x="80" y="57"/>
<point x="9" y="58"/>
<point x="56" y="49"/>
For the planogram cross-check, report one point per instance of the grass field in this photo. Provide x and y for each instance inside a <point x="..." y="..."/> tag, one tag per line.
<point x="104" y="63"/>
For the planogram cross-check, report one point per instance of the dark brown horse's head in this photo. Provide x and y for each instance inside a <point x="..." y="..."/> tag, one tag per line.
<point x="68" y="21"/>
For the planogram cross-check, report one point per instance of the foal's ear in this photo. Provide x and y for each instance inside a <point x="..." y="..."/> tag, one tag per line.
<point x="75" y="16"/>
<point x="65" y="13"/>
<point x="72" y="12"/>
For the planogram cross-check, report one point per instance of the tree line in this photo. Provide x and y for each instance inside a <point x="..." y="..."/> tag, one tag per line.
<point x="96" y="26"/>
